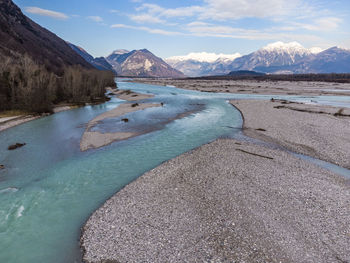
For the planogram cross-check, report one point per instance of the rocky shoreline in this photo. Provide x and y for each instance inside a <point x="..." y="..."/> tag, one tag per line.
<point x="234" y="201"/>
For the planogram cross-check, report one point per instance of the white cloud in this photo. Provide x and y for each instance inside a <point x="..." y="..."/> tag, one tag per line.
<point x="328" y="23"/>
<point x="154" y="9"/>
<point x="320" y="24"/>
<point x="147" y="29"/>
<point x="197" y="23"/>
<point x="230" y="9"/>
<point x="114" y="11"/>
<point x="97" y="19"/>
<point x="45" y="12"/>
<point x="236" y="9"/>
<point x="146" y="18"/>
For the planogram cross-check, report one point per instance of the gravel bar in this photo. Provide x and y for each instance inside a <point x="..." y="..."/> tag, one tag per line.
<point x="308" y="129"/>
<point x="227" y="201"/>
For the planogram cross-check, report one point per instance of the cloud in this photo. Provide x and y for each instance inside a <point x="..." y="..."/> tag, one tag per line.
<point x="45" y="12"/>
<point x="220" y="31"/>
<point x="237" y="9"/>
<point x="272" y="20"/>
<point x="159" y="11"/>
<point x="146" y="18"/>
<point x="328" y="23"/>
<point x="319" y="24"/>
<point x="197" y="23"/>
<point x="225" y="32"/>
<point x="97" y="19"/>
<point x="221" y="10"/>
<point x="149" y="30"/>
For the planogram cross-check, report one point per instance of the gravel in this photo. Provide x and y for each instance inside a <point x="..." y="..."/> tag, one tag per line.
<point x="224" y="203"/>
<point x="320" y="135"/>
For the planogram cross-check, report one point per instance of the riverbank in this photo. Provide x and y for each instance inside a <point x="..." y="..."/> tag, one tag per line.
<point x="305" y="88"/>
<point x="234" y="201"/>
<point x="318" y="131"/>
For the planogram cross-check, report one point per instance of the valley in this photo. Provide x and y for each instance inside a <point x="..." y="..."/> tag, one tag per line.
<point x="174" y="131"/>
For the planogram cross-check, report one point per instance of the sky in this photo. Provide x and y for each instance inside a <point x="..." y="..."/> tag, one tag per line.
<point x="179" y="27"/>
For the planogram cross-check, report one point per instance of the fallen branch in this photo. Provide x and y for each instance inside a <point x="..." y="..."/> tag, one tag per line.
<point x="263" y="156"/>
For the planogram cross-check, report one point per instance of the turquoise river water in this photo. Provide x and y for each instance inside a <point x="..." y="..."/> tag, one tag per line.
<point x="49" y="187"/>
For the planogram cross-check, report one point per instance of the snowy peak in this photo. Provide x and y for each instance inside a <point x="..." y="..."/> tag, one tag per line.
<point x="316" y="50"/>
<point x="293" y="48"/>
<point x="204" y="57"/>
<point x="281" y="46"/>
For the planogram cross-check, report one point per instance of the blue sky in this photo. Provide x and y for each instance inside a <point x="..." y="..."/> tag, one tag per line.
<point x="178" y="27"/>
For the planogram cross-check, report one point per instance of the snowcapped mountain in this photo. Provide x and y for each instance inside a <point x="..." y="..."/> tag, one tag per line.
<point x="141" y="63"/>
<point x="202" y="63"/>
<point x="274" y="58"/>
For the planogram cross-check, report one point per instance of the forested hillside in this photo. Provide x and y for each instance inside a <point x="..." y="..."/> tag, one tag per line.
<point x="38" y="69"/>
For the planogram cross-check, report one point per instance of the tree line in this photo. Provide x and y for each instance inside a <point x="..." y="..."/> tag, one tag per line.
<point x="29" y="86"/>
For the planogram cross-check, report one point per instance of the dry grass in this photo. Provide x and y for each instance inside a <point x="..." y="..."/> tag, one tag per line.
<point x="13" y="113"/>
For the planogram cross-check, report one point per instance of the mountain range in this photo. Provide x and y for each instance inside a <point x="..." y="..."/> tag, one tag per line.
<point x="275" y="58"/>
<point x="203" y="63"/>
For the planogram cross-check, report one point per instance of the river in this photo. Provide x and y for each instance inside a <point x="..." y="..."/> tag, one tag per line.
<point x="49" y="187"/>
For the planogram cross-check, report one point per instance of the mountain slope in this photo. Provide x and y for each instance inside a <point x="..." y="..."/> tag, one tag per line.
<point x="20" y="34"/>
<point x="332" y="60"/>
<point x="100" y="63"/>
<point x="141" y="63"/>
<point x="39" y="70"/>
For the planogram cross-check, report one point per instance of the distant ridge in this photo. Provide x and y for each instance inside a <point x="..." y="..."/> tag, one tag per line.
<point x="141" y="63"/>
<point x="100" y="63"/>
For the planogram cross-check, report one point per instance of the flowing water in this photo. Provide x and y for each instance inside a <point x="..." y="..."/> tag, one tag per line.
<point x="49" y="188"/>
